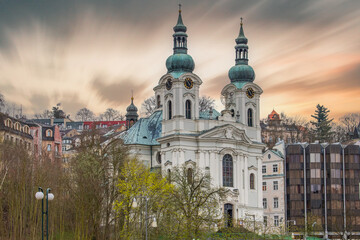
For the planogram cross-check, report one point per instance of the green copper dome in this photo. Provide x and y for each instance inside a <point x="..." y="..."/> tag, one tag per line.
<point x="241" y="73"/>
<point x="180" y="62"/>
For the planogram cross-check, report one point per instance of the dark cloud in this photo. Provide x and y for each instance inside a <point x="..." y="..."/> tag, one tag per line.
<point x="119" y="91"/>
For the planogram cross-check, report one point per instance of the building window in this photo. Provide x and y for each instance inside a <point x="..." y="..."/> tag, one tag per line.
<point x="158" y="158"/>
<point x="276" y="202"/>
<point x="314" y="157"/>
<point x="169" y="110"/>
<point x="276" y="185"/>
<point x="264" y="169"/>
<point x="227" y="171"/>
<point x="158" y="101"/>
<point x="275" y="168"/>
<point x="269" y="156"/>
<point x="188" y="109"/>
<point x="250" y="117"/>
<point x="315" y="188"/>
<point x="189" y="175"/>
<point x="48" y="147"/>
<point x="48" y="133"/>
<point x="264" y="203"/>
<point x="264" y="186"/>
<point x="315" y="173"/>
<point x="252" y="181"/>
<point x="265" y="220"/>
<point x="276" y="221"/>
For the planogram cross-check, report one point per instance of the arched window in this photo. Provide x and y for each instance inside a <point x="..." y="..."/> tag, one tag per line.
<point x="250" y="117"/>
<point x="17" y="126"/>
<point x="158" y="158"/>
<point x="48" y="133"/>
<point x="158" y="103"/>
<point x="8" y="123"/>
<point x="188" y="109"/>
<point x="228" y="171"/>
<point x="169" y="109"/>
<point x="232" y="112"/>
<point x="252" y="181"/>
<point x="190" y="175"/>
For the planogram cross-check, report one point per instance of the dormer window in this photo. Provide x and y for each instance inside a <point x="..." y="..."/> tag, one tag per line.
<point x="8" y="123"/>
<point x="49" y="133"/>
<point x="17" y="126"/>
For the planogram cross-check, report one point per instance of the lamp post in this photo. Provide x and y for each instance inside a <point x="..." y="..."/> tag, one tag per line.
<point x="288" y="224"/>
<point x="153" y="224"/>
<point x="49" y="197"/>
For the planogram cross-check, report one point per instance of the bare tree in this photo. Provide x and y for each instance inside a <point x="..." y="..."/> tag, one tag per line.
<point x="85" y="114"/>
<point x="148" y="106"/>
<point x="44" y="114"/>
<point x="2" y="101"/>
<point x="111" y="115"/>
<point x="206" y="103"/>
<point x="350" y="121"/>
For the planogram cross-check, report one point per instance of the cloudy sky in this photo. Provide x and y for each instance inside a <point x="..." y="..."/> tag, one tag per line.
<point x="92" y="53"/>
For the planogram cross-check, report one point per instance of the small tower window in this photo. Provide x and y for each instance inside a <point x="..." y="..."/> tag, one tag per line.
<point x="188" y="109"/>
<point x="169" y="110"/>
<point x="250" y="117"/>
<point x="158" y="103"/>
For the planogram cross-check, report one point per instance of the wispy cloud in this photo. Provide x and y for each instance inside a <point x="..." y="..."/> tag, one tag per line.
<point x="92" y="53"/>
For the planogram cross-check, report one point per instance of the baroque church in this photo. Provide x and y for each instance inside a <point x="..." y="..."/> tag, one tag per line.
<point x="226" y="145"/>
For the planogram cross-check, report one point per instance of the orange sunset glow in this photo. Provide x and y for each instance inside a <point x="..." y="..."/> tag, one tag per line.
<point x="93" y="53"/>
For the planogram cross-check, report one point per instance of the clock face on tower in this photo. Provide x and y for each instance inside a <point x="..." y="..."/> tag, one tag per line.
<point x="250" y="93"/>
<point x="168" y="84"/>
<point x="188" y="83"/>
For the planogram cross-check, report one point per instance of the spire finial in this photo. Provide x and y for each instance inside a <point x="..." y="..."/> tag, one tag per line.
<point x="241" y="23"/>
<point x="179" y="7"/>
<point x="132" y="95"/>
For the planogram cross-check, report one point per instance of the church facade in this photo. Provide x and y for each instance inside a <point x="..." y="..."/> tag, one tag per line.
<point x="226" y="145"/>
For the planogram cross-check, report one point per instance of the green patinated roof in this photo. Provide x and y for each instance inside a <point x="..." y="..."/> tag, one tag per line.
<point x="177" y="74"/>
<point x="278" y="153"/>
<point x="239" y="85"/>
<point x="206" y="114"/>
<point x="145" y="131"/>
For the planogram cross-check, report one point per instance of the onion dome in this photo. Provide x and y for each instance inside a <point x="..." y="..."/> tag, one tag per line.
<point x="180" y="61"/>
<point x="131" y="111"/>
<point x="241" y="72"/>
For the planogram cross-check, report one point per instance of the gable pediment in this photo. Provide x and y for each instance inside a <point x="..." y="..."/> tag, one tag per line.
<point x="226" y="132"/>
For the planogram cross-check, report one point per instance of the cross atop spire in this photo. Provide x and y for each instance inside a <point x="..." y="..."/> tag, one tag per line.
<point x="241" y="21"/>
<point x="179" y="7"/>
<point x="132" y="95"/>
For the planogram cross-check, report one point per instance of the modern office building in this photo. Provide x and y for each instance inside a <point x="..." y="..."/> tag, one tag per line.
<point x="322" y="190"/>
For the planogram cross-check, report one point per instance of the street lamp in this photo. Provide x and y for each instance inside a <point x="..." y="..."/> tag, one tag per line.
<point x="49" y="197"/>
<point x="154" y="223"/>
<point x="288" y="225"/>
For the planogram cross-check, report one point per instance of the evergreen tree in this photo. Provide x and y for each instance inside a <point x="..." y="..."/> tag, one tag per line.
<point x="322" y="127"/>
